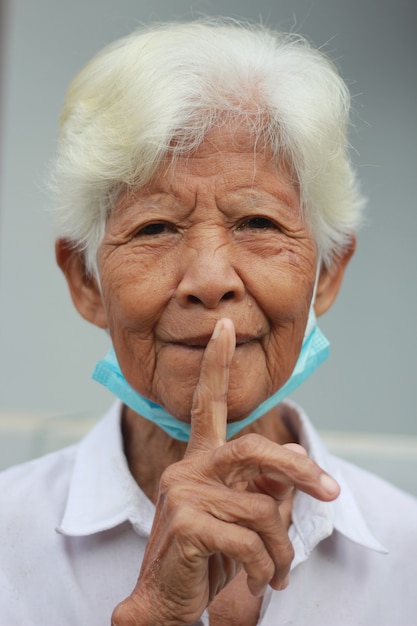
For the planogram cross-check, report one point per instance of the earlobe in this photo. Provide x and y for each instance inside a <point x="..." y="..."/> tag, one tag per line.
<point x="331" y="279"/>
<point x="84" y="289"/>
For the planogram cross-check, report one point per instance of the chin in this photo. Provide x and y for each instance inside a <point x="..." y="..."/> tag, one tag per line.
<point x="239" y="406"/>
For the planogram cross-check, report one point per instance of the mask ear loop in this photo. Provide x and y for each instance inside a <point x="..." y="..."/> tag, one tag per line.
<point x="311" y="321"/>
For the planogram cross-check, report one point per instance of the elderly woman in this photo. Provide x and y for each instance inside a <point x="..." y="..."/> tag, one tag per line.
<point x="206" y="211"/>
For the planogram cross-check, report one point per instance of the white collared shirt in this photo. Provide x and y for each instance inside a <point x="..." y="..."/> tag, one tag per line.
<point x="74" y="526"/>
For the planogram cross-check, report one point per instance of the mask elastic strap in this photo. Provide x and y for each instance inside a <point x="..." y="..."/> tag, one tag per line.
<point x="311" y="321"/>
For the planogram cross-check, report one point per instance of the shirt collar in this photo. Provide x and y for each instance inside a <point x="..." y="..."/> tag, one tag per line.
<point x="104" y="494"/>
<point x="314" y="520"/>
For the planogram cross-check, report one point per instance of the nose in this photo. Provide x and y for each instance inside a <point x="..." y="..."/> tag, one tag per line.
<point x="209" y="277"/>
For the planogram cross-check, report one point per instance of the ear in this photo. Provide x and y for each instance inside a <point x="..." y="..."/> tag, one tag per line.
<point x="84" y="289"/>
<point x="331" y="278"/>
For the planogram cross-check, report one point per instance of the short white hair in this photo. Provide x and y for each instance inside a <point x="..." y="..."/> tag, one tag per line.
<point x="156" y="93"/>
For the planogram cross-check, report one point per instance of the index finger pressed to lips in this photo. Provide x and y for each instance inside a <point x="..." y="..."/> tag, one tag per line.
<point x="209" y="410"/>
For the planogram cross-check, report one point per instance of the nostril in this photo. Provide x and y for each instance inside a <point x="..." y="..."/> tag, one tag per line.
<point x="196" y="300"/>
<point x="193" y="299"/>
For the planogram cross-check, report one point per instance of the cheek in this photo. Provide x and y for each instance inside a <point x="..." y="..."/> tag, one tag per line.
<point x="135" y="293"/>
<point x="284" y="296"/>
<point x="134" y="300"/>
<point x="286" y="303"/>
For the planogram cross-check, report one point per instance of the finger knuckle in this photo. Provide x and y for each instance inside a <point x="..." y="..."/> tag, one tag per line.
<point x="287" y="555"/>
<point x="300" y="465"/>
<point x="279" y="580"/>
<point x="259" y="563"/>
<point x="254" y="546"/>
<point x="203" y="398"/>
<point x="180" y="520"/>
<point x="175" y="475"/>
<point x="266" y="568"/>
<point x="246" y="446"/>
<point x="264" y="508"/>
<point x="169" y="477"/>
<point x="124" y="614"/>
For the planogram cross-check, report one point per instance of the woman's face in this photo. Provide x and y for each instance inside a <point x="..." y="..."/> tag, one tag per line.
<point x="220" y="234"/>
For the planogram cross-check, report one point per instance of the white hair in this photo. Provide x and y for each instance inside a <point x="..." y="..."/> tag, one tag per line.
<point x="156" y="93"/>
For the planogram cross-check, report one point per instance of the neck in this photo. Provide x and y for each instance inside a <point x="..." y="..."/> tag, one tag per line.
<point x="150" y="450"/>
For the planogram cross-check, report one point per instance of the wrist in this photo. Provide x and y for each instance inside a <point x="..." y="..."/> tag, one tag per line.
<point x="131" y="612"/>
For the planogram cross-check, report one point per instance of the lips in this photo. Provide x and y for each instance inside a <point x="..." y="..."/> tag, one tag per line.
<point x="201" y="341"/>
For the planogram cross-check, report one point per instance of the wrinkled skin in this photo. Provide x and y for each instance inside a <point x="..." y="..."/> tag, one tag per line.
<point x="216" y="242"/>
<point x="218" y="509"/>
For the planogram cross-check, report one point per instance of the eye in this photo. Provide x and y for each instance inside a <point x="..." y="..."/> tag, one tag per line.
<point x="155" y="228"/>
<point x="258" y="223"/>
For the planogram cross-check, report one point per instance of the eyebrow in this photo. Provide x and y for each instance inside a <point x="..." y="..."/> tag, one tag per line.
<point x="285" y="199"/>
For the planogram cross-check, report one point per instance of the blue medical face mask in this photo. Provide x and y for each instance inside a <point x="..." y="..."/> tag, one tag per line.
<point x="315" y="350"/>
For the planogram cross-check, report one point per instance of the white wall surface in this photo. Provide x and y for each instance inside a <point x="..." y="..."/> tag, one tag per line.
<point x="47" y="352"/>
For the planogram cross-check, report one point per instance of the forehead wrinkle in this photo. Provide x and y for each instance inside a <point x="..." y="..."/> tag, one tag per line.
<point x="259" y="199"/>
<point x="143" y="200"/>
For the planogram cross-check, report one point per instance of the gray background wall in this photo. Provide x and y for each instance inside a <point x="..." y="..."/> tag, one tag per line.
<point x="47" y="352"/>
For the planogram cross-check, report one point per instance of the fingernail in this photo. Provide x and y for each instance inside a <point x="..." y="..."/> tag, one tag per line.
<point x="217" y="329"/>
<point x="329" y="484"/>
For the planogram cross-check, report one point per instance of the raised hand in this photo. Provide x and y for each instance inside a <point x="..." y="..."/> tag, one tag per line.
<point x="218" y="508"/>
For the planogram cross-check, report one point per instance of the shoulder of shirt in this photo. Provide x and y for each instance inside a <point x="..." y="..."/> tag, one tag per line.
<point x="54" y="468"/>
<point x="31" y="470"/>
<point x="41" y="483"/>
<point x="373" y="485"/>
<point x="390" y="512"/>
